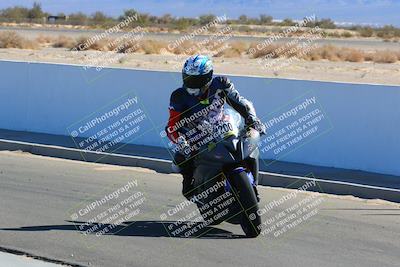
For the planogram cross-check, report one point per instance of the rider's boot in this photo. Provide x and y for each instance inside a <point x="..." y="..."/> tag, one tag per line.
<point x="187" y="185"/>
<point x="186" y="169"/>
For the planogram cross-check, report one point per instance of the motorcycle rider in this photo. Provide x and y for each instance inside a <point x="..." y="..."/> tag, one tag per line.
<point x="200" y="90"/>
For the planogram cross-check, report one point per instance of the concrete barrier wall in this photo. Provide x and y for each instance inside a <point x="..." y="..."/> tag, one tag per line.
<point x="353" y="126"/>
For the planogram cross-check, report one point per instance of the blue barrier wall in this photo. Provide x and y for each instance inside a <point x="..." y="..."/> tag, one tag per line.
<point x="357" y="124"/>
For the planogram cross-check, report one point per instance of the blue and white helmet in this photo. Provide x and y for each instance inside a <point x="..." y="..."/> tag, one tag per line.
<point x="197" y="74"/>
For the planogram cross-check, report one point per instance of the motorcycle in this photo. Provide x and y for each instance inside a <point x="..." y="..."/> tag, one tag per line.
<point x="224" y="184"/>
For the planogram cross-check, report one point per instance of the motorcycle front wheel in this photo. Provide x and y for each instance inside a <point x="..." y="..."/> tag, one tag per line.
<point x="250" y="220"/>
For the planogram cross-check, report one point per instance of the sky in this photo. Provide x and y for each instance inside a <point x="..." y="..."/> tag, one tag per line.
<point x="378" y="12"/>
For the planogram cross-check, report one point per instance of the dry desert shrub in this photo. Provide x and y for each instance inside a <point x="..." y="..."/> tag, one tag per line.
<point x="333" y="53"/>
<point x="369" y="56"/>
<point x="268" y="50"/>
<point x="346" y="34"/>
<point x="101" y="45"/>
<point x="385" y="57"/>
<point x="240" y="46"/>
<point x="313" y="55"/>
<point x="217" y="45"/>
<point x="334" y="34"/>
<point x="85" y="43"/>
<point x="106" y="45"/>
<point x="11" y="39"/>
<point x="185" y="48"/>
<point x="82" y="44"/>
<point x="44" y="39"/>
<point x="350" y="54"/>
<point x="126" y="47"/>
<point x="228" y="53"/>
<point x="356" y="56"/>
<point x="152" y="46"/>
<point x="235" y="49"/>
<point x="64" y="42"/>
<point x="329" y="52"/>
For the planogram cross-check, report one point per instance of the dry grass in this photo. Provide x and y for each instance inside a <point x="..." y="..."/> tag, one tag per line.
<point x="103" y="45"/>
<point x="369" y="56"/>
<point x="346" y="34"/>
<point x="355" y="56"/>
<point x="44" y="39"/>
<point x="327" y="52"/>
<point x="186" y="48"/>
<point x="349" y="54"/>
<point x="228" y="53"/>
<point x="235" y="49"/>
<point x="313" y="56"/>
<point x="84" y="43"/>
<point x="64" y="41"/>
<point x="268" y="50"/>
<point x="11" y="39"/>
<point x="127" y="47"/>
<point x="333" y="53"/>
<point x="215" y="45"/>
<point x="81" y="44"/>
<point x="152" y="46"/>
<point x="386" y="57"/>
<point x="240" y="46"/>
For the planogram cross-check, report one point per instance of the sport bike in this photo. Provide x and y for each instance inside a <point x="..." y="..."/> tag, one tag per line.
<point x="224" y="184"/>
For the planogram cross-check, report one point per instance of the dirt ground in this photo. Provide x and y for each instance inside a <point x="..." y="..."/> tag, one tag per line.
<point x="365" y="72"/>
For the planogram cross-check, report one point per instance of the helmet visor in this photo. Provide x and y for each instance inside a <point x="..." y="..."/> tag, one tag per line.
<point x="196" y="81"/>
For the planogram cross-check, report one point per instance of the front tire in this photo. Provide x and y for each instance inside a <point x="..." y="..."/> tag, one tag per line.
<point x="250" y="220"/>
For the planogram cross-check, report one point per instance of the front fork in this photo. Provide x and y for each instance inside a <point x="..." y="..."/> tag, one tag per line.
<point x="252" y="180"/>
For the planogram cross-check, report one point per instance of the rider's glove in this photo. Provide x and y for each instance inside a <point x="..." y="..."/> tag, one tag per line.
<point x="257" y="125"/>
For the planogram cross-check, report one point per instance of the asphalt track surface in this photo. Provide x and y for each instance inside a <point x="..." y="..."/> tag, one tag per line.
<point x="39" y="198"/>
